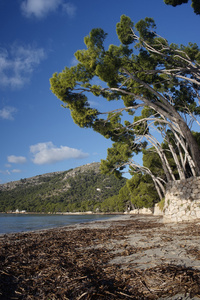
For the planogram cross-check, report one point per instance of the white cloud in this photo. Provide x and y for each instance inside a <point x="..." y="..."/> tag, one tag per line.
<point x="7" y="113"/>
<point x="16" y="171"/>
<point x="47" y="153"/>
<point x="17" y="65"/>
<point x="16" y="159"/>
<point x="5" y="172"/>
<point x="69" y="8"/>
<point x="8" y="165"/>
<point x="40" y="8"/>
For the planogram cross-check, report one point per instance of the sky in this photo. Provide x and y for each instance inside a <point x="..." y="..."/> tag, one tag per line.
<point x="39" y="38"/>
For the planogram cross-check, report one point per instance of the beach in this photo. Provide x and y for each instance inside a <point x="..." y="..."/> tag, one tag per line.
<point x="126" y="257"/>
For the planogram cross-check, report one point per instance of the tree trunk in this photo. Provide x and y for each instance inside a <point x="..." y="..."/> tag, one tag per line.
<point x="179" y="168"/>
<point x="193" y="146"/>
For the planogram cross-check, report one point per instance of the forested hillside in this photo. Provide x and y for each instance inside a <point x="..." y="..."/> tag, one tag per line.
<point x="80" y="189"/>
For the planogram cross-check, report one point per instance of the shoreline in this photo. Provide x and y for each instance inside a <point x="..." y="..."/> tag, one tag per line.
<point x="64" y="213"/>
<point x="126" y="257"/>
<point x="73" y="226"/>
<point x="22" y="223"/>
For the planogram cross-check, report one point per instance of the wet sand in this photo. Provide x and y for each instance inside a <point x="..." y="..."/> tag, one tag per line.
<point x="126" y="257"/>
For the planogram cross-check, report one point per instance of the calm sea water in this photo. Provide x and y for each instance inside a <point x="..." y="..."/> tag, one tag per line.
<point x="12" y="223"/>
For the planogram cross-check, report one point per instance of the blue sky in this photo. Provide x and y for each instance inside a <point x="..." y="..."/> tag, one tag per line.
<point x="40" y="37"/>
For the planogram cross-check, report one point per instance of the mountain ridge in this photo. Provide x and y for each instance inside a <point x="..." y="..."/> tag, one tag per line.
<point x="80" y="189"/>
<point x="34" y="179"/>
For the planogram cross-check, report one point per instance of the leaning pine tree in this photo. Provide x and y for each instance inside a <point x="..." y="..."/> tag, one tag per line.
<point x="155" y="96"/>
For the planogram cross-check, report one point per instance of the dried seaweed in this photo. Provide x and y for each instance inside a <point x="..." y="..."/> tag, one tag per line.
<point x="67" y="263"/>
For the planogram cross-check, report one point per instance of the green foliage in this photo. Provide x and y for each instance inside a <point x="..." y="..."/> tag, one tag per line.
<point x="124" y="31"/>
<point x="175" y="2"/>
<point x="62" y="85"/>
<point x="113" y="204"/>
<point x="72" y="84"/>
<point x="157" y="86"/>
<point x="161" y="204"/>
<point x="118" y="202"/>
<point x="146" y="29"/>
<point x="142" y="191"/>
<point x="62" y="192"/>
<point x="124" y="194"/>
<point x="195" y="4"/>
<point x="118" y="154"/>
<point x="151" y="160"/>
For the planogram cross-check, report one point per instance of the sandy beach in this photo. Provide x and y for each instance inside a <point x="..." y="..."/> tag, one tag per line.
<point x="126" y="257"/>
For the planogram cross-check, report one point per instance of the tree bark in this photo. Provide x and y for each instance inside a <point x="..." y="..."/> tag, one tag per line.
<point x="193" y="146"/>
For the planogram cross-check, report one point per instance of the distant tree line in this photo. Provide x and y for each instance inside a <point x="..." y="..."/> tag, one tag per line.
<point x="83" y="192"/>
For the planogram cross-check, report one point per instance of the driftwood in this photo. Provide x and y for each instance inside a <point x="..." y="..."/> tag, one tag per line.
<point x="68" y="263"/>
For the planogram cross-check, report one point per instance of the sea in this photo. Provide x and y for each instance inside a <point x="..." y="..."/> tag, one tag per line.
<point x="13" y="223"/>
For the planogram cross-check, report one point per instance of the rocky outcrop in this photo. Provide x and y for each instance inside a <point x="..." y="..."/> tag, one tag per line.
<point x="182" y="200"/>
<point x="141" y="211"/>
<point x="157" y="210"/>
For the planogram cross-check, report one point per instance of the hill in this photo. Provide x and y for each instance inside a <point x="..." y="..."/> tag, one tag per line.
<point x="80" y="189"/>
